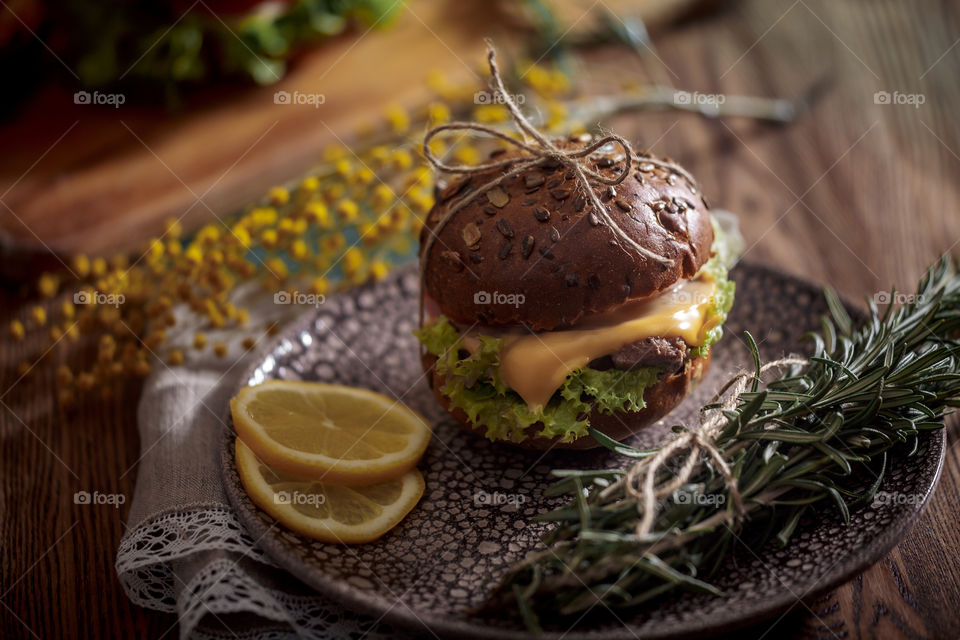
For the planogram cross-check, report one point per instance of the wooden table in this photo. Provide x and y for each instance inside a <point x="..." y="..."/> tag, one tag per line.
<point x="856" y="195"/>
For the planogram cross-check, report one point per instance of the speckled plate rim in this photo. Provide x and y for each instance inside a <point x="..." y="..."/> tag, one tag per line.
<point x="398" y="613"/>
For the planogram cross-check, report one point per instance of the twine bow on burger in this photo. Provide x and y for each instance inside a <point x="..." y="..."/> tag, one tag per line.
<point x="640" y="481"/>
<point x="539" y="150"/>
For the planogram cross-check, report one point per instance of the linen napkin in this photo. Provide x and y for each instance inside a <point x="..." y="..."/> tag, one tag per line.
<point x="183" y="550"/>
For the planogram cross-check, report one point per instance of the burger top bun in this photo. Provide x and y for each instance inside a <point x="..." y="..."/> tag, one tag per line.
<point x="536" y="235"/>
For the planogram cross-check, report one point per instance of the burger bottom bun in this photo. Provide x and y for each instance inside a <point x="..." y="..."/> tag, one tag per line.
<point x="660" y="399"/>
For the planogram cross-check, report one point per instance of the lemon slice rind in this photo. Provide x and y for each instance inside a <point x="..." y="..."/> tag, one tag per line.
<point x="369" y="465"/>
<point x="326" y="529"/>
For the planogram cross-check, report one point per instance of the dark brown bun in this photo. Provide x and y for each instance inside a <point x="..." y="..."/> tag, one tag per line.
<point x="537" y="237"/>
<point x="661" y="399"/>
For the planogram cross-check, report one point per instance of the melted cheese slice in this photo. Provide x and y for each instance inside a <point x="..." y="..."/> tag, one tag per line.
<point x="535" y="365"/>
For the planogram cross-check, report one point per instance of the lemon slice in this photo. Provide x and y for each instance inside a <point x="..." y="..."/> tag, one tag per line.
<point x="324" y="511"/>
<point x="341" y="435"/>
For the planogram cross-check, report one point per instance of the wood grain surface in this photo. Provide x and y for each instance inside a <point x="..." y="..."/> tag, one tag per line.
<point x="855" y="194"/>
<point x="111" y="175"/>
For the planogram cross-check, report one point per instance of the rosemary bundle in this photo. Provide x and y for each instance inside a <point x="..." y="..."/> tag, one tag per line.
<point x="817" y="435"/>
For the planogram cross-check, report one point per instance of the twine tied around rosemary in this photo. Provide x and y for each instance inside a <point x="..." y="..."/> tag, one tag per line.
<point x="539" y="150"/>
<point x="640" y="481"/>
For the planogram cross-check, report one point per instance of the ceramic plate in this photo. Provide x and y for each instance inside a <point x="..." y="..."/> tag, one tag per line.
<point x="443" y="560"/>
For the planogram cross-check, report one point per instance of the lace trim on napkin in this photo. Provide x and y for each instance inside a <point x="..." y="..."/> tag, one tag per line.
<point x="146" y="562"/>
<point x="223" y="587"/>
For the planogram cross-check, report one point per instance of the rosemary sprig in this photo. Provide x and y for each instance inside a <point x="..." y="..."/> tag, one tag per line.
<point x="818" y="435"/>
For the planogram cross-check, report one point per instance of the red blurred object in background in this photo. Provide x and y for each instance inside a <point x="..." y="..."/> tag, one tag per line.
<point x="18" y="19"/>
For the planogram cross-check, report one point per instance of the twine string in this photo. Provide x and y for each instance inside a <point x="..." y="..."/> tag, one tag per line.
<point x="641" y="478"/>
<point x="537" y="150"/>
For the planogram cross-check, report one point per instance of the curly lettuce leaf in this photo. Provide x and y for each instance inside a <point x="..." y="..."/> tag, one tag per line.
<point x="612" y="390"/>
<point x="473" y="384"/>
<point x="727" y="245"/>
<point x="438" y="337"/>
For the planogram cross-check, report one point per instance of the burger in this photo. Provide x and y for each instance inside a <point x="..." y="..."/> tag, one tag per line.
<point x="544" y="318"/>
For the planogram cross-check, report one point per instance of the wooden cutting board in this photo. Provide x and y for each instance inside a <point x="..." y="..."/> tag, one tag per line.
<point x="77" y="177"/>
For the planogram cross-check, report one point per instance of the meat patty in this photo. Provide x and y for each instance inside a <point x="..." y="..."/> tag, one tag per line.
<point x="669" y="353"/>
